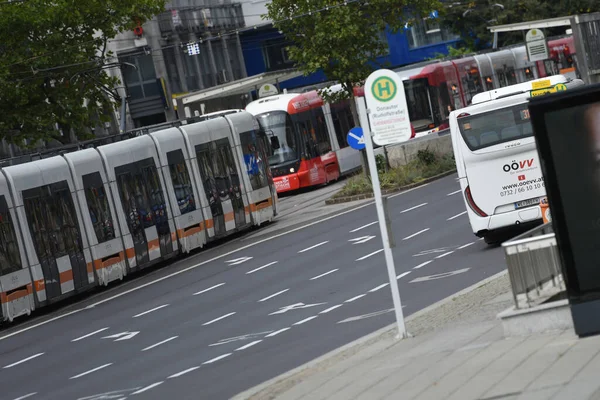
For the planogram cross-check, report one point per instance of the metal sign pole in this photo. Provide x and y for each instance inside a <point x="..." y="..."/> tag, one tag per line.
<point x="381" y="216"/>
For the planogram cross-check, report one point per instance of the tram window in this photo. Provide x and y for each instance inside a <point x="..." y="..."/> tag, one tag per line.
<point x="342" y="121"/>
<point x="138" y="183"/>
<point x="222" y="177"/>
<point x="181" y="182"/>
<point x="254" y="156"/>
<point x="155" y="194"/>
<point x="52" y="220"/>
<point x="206" y="171"/>
<point x="98" y="207"/>
<point x="321" y="132"/>
<point x="10" y="258"/>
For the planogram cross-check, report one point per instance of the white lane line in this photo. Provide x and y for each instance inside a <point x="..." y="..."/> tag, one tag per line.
<point x="159" y="343"/>
<point x="423" y="264"/>
<point x="407" y="191"/>
<point x="218" y="319"/>
<point x="91" y="371"/>
<point x="24" y="360"/>
<point x="277" y="332"/>
<point x="246" y="346"/>
<point x="26" y="396"/>
<point x="216" y="359"/>
<point x="445" y="254"/>
<point x="148" y="387"/>
<point x="456" y="216"/>
<point x="413" y="208"/>
<point x="330" y="309"/>
<point x="325" y="274"/>
<point x="369" y="255"/>
<point x="210" y="288"/>
<point x="88" y="335"/>
<point x="403" y="275"/>
<point x="416" y="234"/>
<point x="466" y="245"/>
<point x="200" y="264"/>
<point x="378" y="288"/>
<point x="355" y="298"/>
<point x="314" y="247"/>
<point x="177" y="375"/>
<point x="273" y="295"/>
<point x="259" y="268"/>
<point x="149" y="311"/>
<point x="363" y="227"/>
<point x="305" y="320"/>
<point x="453" y="193"/>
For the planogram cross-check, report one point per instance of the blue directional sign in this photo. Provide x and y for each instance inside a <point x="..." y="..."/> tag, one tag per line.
<point x="356" y="138"/>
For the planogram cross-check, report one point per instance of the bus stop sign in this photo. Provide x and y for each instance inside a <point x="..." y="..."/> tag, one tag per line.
<point x="388" y="111"/>
<point x="356" y="138"/>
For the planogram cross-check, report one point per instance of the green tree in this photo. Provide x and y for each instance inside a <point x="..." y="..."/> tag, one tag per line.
<point x="53" y="62"/>
<point x="472" y="19"/>
<point x="341" y="38"/>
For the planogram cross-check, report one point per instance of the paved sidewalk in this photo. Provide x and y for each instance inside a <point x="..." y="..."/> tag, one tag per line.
<point x="459" y="352"/>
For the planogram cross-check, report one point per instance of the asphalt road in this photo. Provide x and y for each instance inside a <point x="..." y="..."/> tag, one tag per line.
<point x="221" y="321"/>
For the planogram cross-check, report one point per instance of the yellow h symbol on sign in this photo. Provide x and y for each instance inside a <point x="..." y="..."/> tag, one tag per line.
<point x="384" y="89"/>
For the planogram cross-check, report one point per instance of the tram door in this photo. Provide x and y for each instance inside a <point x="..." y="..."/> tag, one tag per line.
<point x="232" y="178"/>
<point x="53" y="225"/>
<point x="208" y="170"/>
<point x="144" y="206"/>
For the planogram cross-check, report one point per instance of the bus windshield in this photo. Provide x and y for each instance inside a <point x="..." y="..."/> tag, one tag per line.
<point x="279" y="123"/>
<point x="495" y="127"/>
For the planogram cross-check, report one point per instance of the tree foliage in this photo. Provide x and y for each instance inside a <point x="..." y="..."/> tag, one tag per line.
<point x="472" y="19"/>
<point x="53" y="61"/>
<point x="341" y="38"/>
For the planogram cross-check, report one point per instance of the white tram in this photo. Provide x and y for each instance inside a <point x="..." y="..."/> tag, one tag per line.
<point x="87" y="218"/>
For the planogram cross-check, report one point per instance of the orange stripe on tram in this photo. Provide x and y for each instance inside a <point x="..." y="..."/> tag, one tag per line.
<point x="99" y="264"/>
<point x="130" y="253"/>
<point x="66" y="276"/>
<point x="210" y="224"/>
<point x="229" y="217"/>
<point x="7" y="298"/>
<point x="153" y="244"/>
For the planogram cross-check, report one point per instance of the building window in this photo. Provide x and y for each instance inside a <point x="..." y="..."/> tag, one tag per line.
<point x="426" y="32"/>
<point x="276" y="55"/>
<point x="141" y="81"/>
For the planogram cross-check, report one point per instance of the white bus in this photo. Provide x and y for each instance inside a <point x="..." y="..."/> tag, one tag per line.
<point x="496" y="158"/>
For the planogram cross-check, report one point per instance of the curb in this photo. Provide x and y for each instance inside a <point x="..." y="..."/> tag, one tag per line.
<point x="385" y="192"/>
<point x="248" y="394"/>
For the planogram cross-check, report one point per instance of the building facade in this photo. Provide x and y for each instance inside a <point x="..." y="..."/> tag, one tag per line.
<point x="196" y="45"/>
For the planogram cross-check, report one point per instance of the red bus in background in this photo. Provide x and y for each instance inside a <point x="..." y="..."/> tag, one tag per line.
<point x="435" y="88"/>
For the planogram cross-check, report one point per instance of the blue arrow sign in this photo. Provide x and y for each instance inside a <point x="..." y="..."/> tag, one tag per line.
<point x="356" y="138"/>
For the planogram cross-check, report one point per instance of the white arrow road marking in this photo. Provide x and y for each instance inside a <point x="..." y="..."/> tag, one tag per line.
<point x="439" y="276"/>
<point x="362" y="239"/>
<point x="296" y="306"/>
<point x="24" y="360"/>
<point x="238" y="261"/>
<point x="121" y="336"/>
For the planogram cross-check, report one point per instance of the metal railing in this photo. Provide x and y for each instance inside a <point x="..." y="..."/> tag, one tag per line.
<point x="534" y="266"/>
